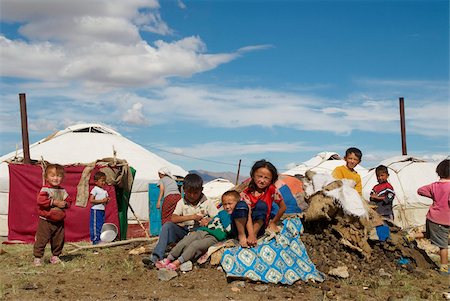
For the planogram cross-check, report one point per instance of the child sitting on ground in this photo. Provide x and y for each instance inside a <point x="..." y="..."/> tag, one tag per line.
<point x="352" y="158"/>
<point x="253" y="214"/>
<point x="98" y="198"/>
<point x="438" y="216"/>
<point x="191" y="212"/>
<point x="382" y="194"/>
<point x="196" y="243"/>
<point x="52" y="200"/>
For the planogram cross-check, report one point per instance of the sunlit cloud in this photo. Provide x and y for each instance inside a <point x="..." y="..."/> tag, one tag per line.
<point x="98" y="44"/>
<point x="135" y="115"/>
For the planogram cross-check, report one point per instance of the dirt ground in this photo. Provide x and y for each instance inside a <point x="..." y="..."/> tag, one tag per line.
<point x="113" y="274"/>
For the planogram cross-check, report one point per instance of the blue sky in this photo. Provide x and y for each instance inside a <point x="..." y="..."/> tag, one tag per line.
<point x="206" y="83"/>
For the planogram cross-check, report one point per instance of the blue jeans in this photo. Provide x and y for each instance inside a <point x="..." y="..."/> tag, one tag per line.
<point x="170" y="233"/>
<point x="95" y="225"/>
<point x="259" y="213"/>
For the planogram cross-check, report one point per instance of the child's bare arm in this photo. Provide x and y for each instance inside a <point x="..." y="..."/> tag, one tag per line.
<point x="374" y="197"/>
<point x="184" y="218"/>
<point x="204" y="221"/>
<point x="273" y="223"/>
<point x="92" y="200"/>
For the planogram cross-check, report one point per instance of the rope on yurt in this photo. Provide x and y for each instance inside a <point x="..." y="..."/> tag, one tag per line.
<point x="402" y="207"/>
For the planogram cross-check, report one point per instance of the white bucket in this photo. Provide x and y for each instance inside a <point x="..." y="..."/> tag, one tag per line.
<point x="109" y="232"/>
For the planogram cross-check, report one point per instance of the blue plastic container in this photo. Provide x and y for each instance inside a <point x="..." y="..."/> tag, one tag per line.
<point x="155" y="213"/>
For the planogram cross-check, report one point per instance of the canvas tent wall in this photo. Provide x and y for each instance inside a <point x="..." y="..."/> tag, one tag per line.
<point x="406" y="175"/>
<point x="26" y="181"/>
<point x="214" y="189"/>
<point x="324" y="162"/>
<point x="85" y="143"/>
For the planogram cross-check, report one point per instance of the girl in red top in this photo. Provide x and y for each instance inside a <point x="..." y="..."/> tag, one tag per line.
<point x="438" y="216"/>
<point x="252" y="215"/>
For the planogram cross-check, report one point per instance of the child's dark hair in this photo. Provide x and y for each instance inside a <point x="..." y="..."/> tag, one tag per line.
<point x="354" y="150"/>
<point x="192" y="182"/>
<point x="443" y="169"/>
<point x="98" y="175"/>
<point x="381" y="168"/>
<point x="59" y="169"/>
<point x="260" y="164"/>
<point x="232" y="193"/>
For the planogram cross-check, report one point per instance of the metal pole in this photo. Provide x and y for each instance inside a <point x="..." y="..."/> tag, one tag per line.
<point x="238" y="171"/>
<point x="24" y="118"/>
<point x="402" y="125"/>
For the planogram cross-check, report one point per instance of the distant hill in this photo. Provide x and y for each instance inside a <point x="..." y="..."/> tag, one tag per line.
<point x="208" y="176"/>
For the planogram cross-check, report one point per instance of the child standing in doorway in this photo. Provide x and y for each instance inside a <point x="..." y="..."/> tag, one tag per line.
<point x="98" y="198"/>
<point x="352" y="158"/>
<point x="252" y="214"/>
<point x="52" y="201"/>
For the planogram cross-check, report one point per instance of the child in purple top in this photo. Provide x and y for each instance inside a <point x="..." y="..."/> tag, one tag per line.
<point x="438" y="216"/>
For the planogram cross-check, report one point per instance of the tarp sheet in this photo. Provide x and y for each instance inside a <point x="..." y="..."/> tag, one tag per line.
<point x="289" y="187"/>
<point x="26" y="182"/>
<point x="280" y="260"/>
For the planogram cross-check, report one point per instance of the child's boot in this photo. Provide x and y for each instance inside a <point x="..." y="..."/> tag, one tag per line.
<point x="171" y="267"/>
<point x="443" y="270"/>
<point x="37" y="262"/>
<point x="162" y="263"/>
<point x="55" y="260"/>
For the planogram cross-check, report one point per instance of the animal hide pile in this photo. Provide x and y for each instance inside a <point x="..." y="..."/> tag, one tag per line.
<point x="340" y="204"/>
<point x="341" y="192"/>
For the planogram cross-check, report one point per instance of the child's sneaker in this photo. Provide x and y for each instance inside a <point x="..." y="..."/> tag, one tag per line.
<point x="443" y="270"/>
<point x="162" y="263"/>
<point x="410" y="237"/>
<point x="171" y="267"/>
<point x="55" y="260"/>
<point x="37" y="262"/>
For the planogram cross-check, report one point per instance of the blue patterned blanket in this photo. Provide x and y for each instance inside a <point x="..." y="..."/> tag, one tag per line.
<point x="280" y="260"/>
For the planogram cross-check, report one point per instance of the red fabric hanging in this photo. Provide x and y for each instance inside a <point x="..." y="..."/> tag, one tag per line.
<point x="25" y="181"/>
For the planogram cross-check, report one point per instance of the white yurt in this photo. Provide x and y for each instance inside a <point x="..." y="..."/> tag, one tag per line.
<point x="406" y="175"/>
<point x="214" y="189"/>
<point x="324" y="162"/>
<point x="86" y="143"/>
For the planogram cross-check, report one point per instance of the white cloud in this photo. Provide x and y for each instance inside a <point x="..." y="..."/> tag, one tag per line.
<point x="98" y="44"/>
<point x="373" y="157"/>
<point x="153" y="23"/>
<point x="135" y="115"/>
<point x="218" y="149"/>
<point x="268" y="108"/>
<point x="23" y="60"/>
<point x="215" y="106"/>
<point x="23" y="11"/>
<point x="436" y="157"/>
<point x="181" y="4"/>
<point x="253" y="48"/>
<point x="229" y="153"/>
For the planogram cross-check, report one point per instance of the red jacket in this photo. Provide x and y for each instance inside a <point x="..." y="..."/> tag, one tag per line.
<point x="45" y="199"/>
<point x="269" y="196"/>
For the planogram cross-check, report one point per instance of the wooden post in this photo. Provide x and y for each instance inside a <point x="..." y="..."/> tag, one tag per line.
<point x="24" y="118"/>
<point x="402" y="125"/>
<point x="238" y="171"/>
